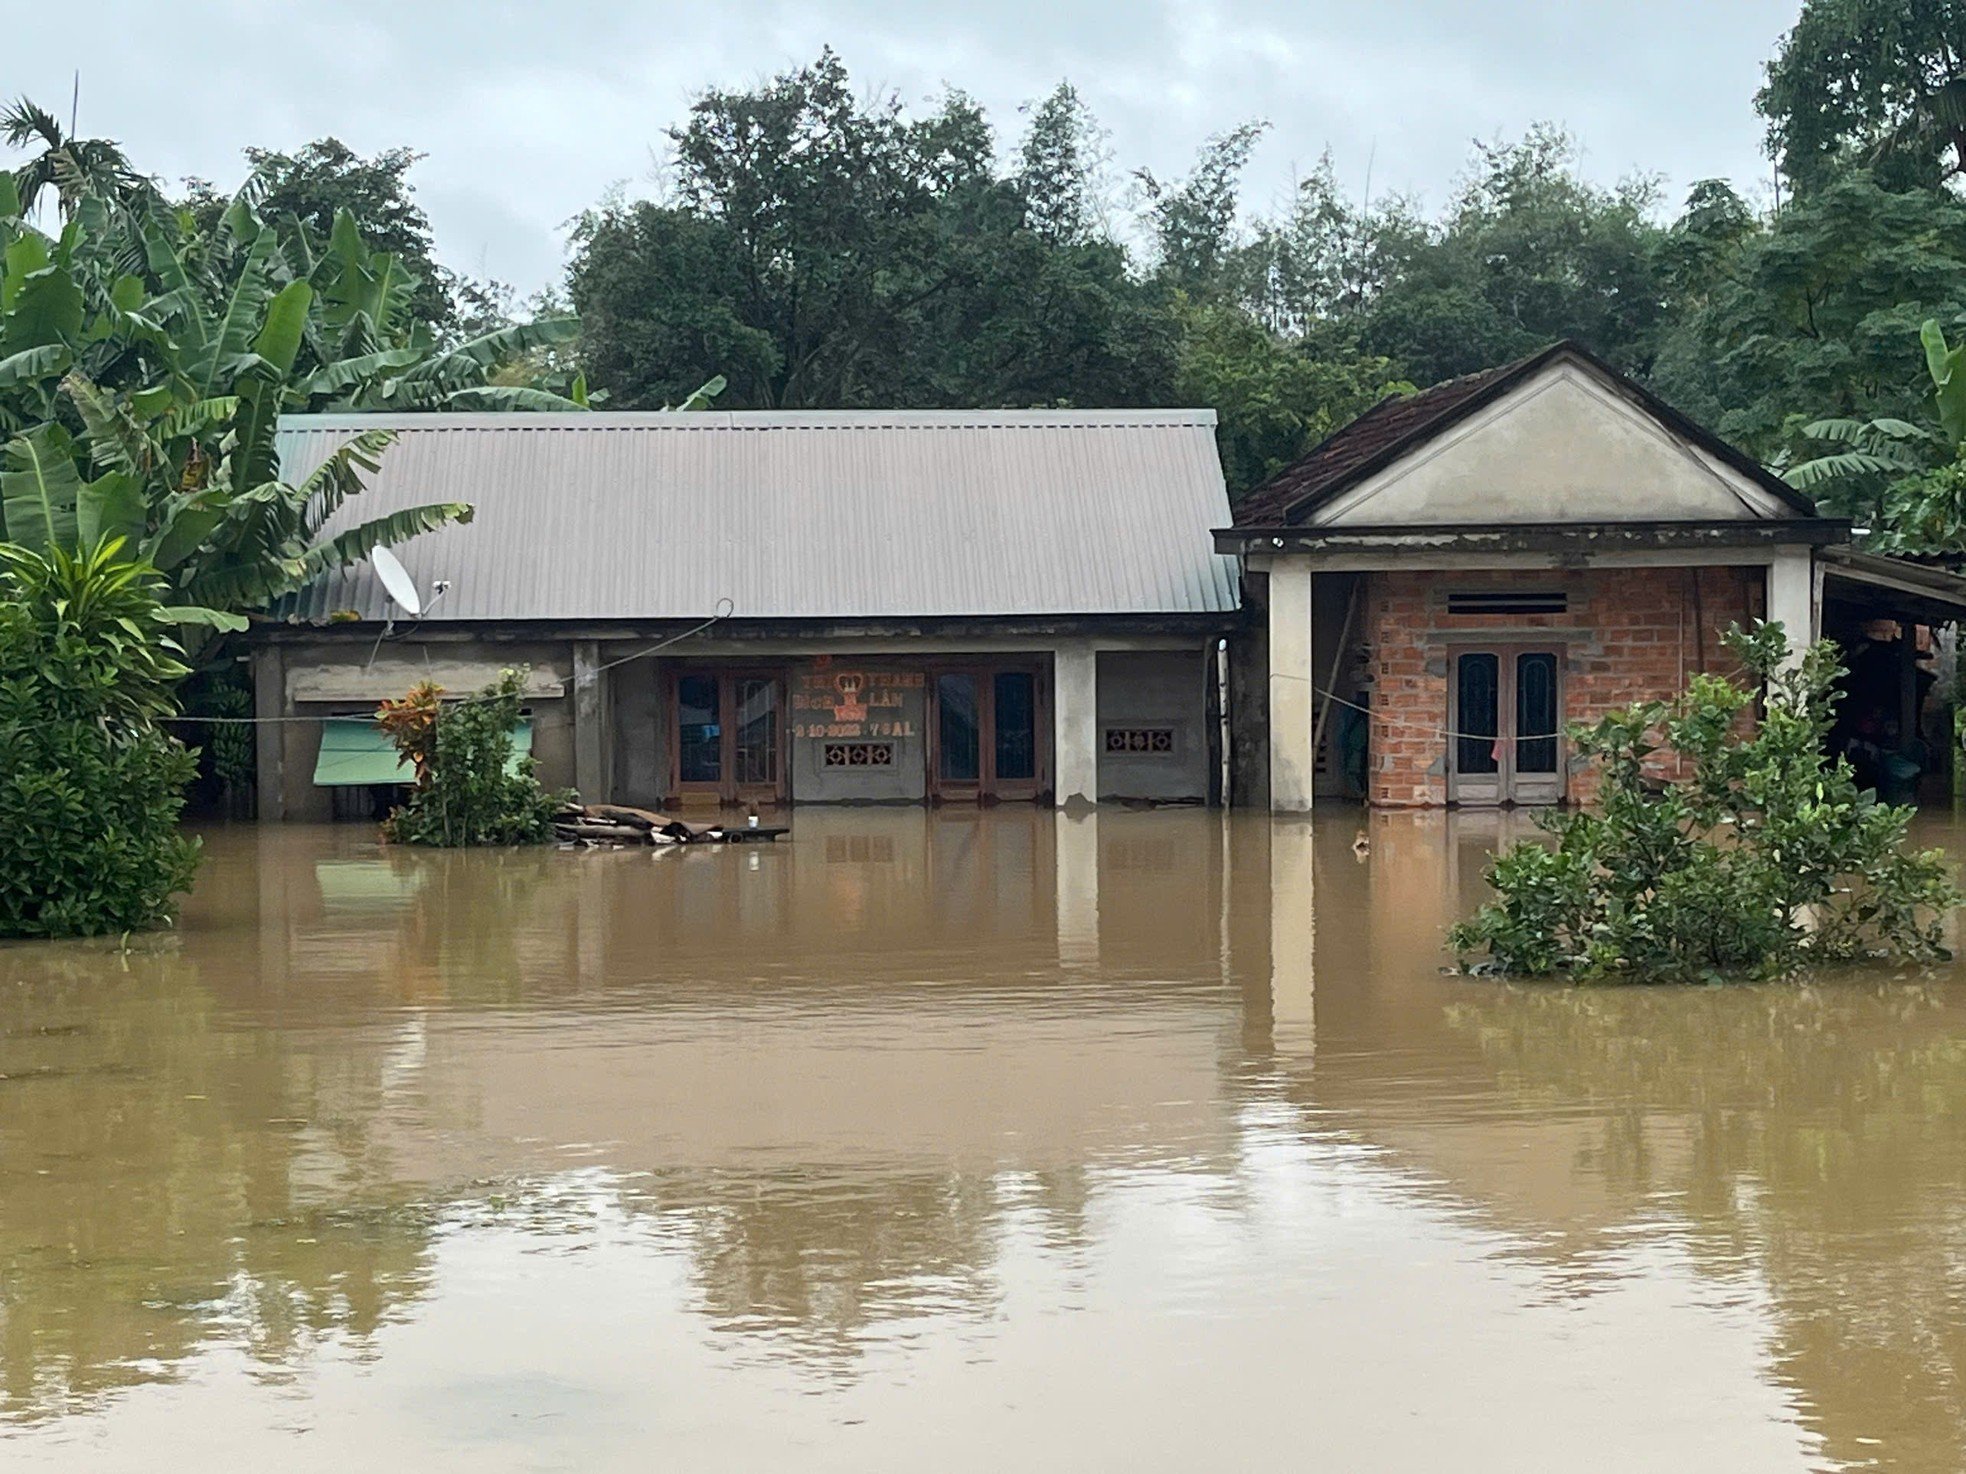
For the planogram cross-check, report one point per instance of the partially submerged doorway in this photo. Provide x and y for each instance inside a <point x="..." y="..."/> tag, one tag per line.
<point x="1505" y="709"/>
<point x="727" y="736"/>
<point x="989" y="729"/>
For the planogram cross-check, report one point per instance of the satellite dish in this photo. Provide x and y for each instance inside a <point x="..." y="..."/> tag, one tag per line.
<point x="396" y="581"/>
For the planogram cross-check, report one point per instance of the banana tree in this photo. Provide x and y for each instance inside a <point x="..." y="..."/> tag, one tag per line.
<point x="144" y="369"/>
<point x="1908" y="479"/>
<point x="1947" y="367"/>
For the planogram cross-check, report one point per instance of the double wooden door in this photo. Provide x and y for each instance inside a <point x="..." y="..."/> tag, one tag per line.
<point x="1505" y="713"/>
<point x="727" y="736"/>
<point x="988" y="734"/>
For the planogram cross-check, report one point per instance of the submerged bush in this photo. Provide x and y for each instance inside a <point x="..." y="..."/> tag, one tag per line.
<point x="1764" y="859"/>
<point x="91" y="786"/>
<point x="468" y="791"/>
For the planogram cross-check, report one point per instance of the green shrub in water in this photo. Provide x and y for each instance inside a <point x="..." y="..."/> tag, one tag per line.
<point x="469" y="792"/>
<point x="91" y="786"/>
<point x="1766" y="859"/>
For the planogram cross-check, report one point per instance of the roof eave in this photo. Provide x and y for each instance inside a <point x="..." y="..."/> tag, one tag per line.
<point x="1535" y="537"/>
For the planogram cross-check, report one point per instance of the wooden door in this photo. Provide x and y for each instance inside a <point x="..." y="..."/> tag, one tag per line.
<point x="727" y="736"/>
<point x="989" y="731"/>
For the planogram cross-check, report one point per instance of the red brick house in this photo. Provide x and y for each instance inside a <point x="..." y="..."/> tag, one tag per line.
<point x="1439" y="588"/>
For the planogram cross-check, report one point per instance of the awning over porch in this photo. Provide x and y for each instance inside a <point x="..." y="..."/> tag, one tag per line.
<point x="1893" y="587"/>
<point x="355" y="753"/>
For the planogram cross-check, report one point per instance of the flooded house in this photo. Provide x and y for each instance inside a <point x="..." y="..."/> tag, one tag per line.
<point x="1435" y="591"/>
<point x="762" y="608"/>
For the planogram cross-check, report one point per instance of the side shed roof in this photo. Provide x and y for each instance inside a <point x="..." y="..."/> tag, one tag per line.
<point x="840" y="515"/>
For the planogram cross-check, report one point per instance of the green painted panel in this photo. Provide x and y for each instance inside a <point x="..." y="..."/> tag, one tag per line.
<point x="355" y="753"/>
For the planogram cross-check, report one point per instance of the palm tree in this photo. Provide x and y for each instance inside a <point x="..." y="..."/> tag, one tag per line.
<point x="72" y="167"/>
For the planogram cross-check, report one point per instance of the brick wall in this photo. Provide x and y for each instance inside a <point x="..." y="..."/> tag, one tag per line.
<point x="1628" y="634"/>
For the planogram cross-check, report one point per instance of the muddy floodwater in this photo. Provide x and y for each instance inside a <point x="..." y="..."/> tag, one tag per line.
<point x="956" y="1141"/>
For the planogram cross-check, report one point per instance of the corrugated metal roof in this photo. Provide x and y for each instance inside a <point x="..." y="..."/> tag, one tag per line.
<point x="812" y="515"/>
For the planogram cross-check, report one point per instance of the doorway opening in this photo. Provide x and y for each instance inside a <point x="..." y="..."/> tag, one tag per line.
<point x="1505" y="711"/>
<point x="727" y="736"/>
<point x="989" y="734"/>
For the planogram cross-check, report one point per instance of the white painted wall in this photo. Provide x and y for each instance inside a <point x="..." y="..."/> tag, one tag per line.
<point x="1792" y="598"/>
<point x="1075" y="722"/>
<point x="1564" y="447"/>
<point x="1293" y="701"/>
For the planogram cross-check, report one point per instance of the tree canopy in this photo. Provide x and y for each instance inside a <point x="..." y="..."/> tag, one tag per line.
<point x="304" y="191"/>
<point x="823" y="250"/>
<point x="816" y="245"/>
<point x="1872" y="81"/>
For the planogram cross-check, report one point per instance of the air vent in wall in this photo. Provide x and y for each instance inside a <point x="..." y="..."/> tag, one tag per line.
<point x="1509" y="601"/>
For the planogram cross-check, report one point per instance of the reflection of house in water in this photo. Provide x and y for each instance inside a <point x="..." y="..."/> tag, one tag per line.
<point x="840" y="1062"/>
<point x="857" y="1087"/>
<point x="1804" y="1148"/>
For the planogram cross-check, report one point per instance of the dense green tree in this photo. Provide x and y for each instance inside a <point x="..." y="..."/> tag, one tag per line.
<point x="658" y="291"/>
<point x="1529" y="252"/>
<point x="1193" y="220"/>
<point x="1877" y="81"/>
<point x="1274" y="399"/>
<point x="820" y="250"/>
<point x="1905" y="479"/>
<point x="1324" y="259"/>
<point x="1817" y="314"/>
<point x="1061" y="168"/>
<point x="305" y="191"/>
<point x="92" y="784"/>
<point x="1698" y="251"/>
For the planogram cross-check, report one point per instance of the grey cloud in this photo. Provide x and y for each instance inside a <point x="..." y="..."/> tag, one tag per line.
<point x="528" y="112"/>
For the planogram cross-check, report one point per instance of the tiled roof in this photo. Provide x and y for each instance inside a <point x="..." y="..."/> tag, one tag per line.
<point x="1391" y="422"/>
<point x="1398" y="424"/>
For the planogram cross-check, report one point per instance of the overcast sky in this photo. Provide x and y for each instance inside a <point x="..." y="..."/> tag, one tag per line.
<point x="529" y="111"/>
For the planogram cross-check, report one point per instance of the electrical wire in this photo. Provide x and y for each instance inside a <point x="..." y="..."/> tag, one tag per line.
<point x="725" y="607"/>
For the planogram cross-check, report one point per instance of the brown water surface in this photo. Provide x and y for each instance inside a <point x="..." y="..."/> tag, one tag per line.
<point x="1142" y="1141"/>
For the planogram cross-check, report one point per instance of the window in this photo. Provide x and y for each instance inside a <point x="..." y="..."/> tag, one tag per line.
<point x="1139" y="741"/>
<point x="1509" y="601"/>
<point x="858" y="755"/>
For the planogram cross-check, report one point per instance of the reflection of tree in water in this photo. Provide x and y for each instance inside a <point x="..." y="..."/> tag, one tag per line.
<point x="1827" y="1129"/>
<point x="809" y="1265"/>
<point x="150" y="1162"/>
<point x="481" y="927"/>
<point x="816" y="1262"/>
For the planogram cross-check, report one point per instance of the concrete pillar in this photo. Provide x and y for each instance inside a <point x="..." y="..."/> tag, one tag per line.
<point x="1293" y="702"/>
<point x="1076" y="877"/>
<point x="1075" y="723"/>
<point x="1293" y="938"/>
<point x="269" y="737"/>
<point x="590" y="723"/>
<point x="1792" y="597"/>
